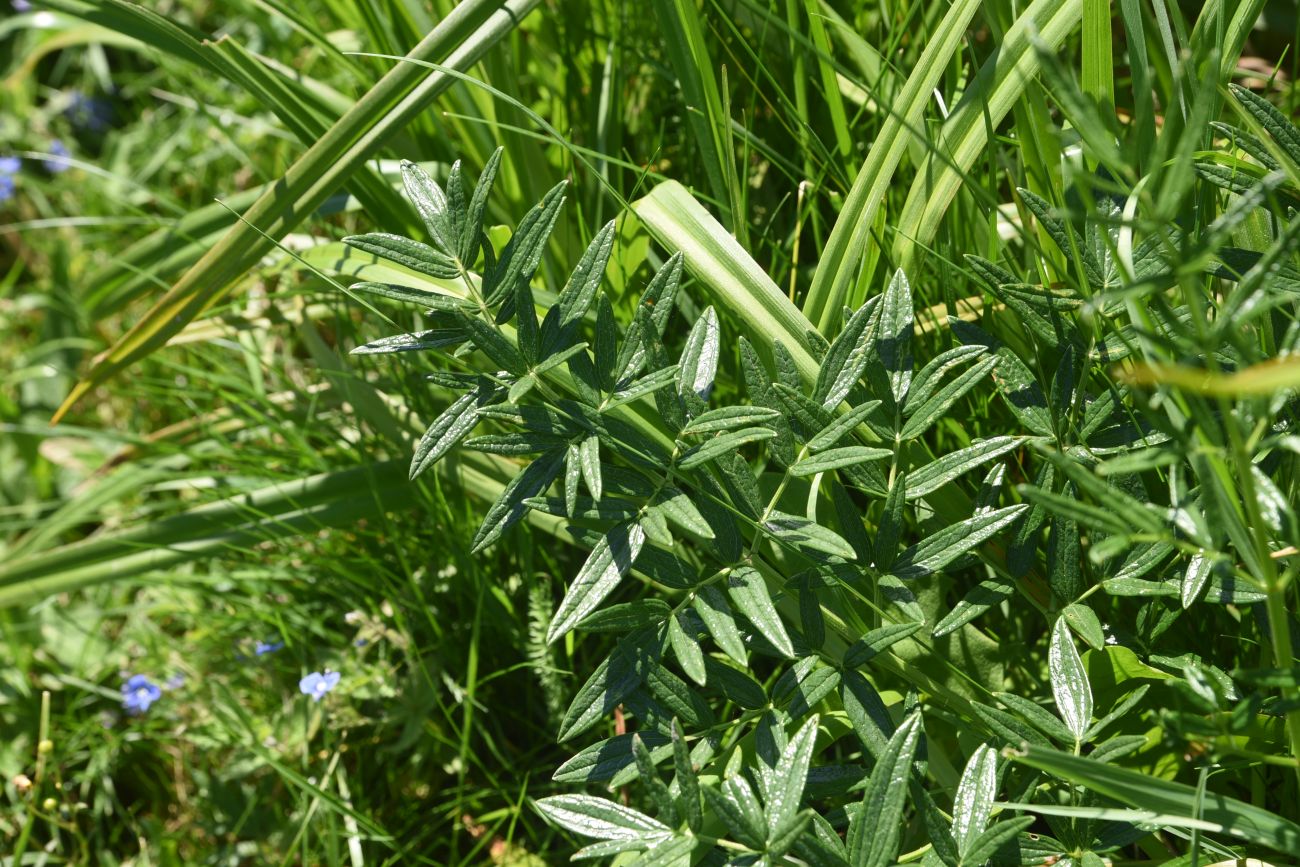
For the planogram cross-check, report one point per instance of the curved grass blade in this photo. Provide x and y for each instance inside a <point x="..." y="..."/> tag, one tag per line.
<point x="460" y="40"/>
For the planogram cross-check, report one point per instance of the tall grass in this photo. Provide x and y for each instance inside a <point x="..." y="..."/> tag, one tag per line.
<point x="1043" y="612"/>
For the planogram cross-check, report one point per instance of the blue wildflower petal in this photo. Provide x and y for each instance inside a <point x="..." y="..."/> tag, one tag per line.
<point x="138" y="693"/>
<point x="317" y="684"/>
<point x="58" y="161"/>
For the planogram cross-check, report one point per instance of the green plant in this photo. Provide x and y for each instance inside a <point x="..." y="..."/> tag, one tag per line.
<point x="794" y="547"/>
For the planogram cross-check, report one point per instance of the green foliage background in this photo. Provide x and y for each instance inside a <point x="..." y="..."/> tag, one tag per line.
<point x="916" y="381"/>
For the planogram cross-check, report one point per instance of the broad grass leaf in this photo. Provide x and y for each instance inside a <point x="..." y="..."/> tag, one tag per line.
<point x="875" y="830"/>
<point x="748" y="592"/>
<point x="597" y="817"/>
<point x="732" y="279"/>
<point x="605" y="567"/>
<point x="841" y="258"/>
<point x="973" y="804"/>
<point x="405" y="91"/>
<point x="1069" y="681"/>
<point x="1233" y="817"/>
<point x="1039" y="29"/>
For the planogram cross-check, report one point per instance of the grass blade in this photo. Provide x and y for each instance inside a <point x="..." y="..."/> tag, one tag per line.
<point x="845" y="248"/>
<point x="462" y="38"/>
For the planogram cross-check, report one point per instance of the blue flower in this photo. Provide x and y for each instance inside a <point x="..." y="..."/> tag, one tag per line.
<point x="58" y="161"/>
<point x="317" y="684"/>
<point x="89" y="112"/>
<point x="262" y="648"/>
<point x="22" y="5"/>
<point x="9" y="167"/>
<point x="138" y="693"/>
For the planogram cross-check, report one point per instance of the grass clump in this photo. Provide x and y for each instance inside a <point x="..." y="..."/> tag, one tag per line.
<point x="738" y="492"/>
